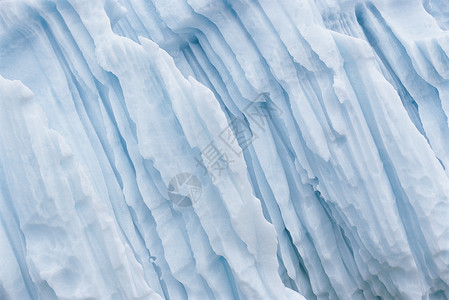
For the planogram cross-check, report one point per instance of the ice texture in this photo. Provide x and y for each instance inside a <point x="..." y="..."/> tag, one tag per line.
<point x="212" y="149"/>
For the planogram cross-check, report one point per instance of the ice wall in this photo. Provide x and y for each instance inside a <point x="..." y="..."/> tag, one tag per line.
<point x="239" y="149"/>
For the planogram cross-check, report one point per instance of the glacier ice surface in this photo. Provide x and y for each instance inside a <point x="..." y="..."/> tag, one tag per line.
<point x="211" y="149"/>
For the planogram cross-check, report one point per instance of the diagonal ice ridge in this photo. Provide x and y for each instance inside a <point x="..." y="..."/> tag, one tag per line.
<point x="209" y="149"/>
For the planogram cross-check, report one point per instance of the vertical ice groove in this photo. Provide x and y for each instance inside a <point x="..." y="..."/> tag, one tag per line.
<point x="422" y="94"/>
<point x="51" y="225"/>
<point x="337" y="180"/>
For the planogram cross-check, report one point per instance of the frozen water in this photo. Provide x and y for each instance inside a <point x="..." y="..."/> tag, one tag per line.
<point x="210" y="149"/>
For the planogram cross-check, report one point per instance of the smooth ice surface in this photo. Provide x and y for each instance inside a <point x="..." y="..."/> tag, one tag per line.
<point x="212" y="149"/>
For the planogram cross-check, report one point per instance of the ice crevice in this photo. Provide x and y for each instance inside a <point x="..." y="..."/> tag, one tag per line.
<point x="329" y="119"/>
